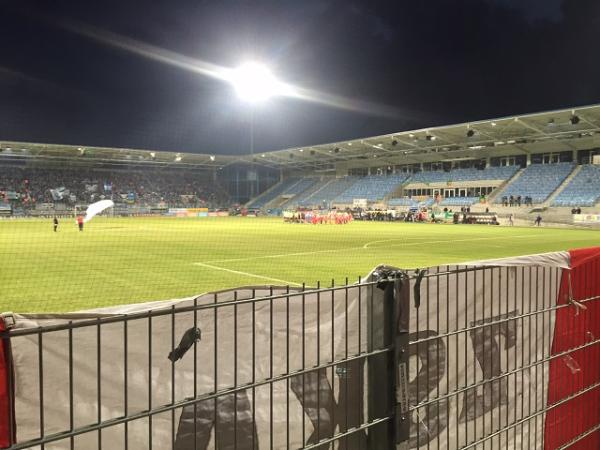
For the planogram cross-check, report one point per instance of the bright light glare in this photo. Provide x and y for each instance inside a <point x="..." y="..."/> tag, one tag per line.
<point x="255" y="83"/>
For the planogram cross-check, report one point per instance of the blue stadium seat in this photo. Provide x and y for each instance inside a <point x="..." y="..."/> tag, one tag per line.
<point x="271" y="195"/>
<point x="333" y="190"/>
<point x="305" y="197"/>
<point x="583" y="189"/>
<point x="371" y="188"/>
<point x="537" y="181"/>
<point x="301" y="186"/>
<point x="490" y="173"/>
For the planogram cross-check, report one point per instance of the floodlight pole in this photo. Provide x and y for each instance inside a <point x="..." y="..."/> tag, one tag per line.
<point x="253" y="166"/>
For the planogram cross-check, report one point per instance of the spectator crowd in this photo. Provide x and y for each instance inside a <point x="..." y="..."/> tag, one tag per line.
<point x="28" y="187"/>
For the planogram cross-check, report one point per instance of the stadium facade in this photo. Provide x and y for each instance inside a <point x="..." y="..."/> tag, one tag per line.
<point x="491" y="352"/>
<point x="550" y="159"/>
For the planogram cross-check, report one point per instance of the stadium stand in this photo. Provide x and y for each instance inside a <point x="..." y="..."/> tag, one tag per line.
<point x="333" y="190"/>
<point x="273" y="193"/>
<point x="371" y="188"/>
<point x="312" y="191"/>
<point x="27" y="187"/>
<point x="490" y="173"/>
<point x="303" y="199"/>
<point x="537" y="181"/>
<point x="583" y="189"/>
<point x="301" y="186"/>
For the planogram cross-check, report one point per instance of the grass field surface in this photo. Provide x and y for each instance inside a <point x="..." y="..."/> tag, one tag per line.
<point x="129" y="260"/>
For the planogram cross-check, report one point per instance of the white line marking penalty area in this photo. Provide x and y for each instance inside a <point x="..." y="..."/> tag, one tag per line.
<point x="248" y="274"/>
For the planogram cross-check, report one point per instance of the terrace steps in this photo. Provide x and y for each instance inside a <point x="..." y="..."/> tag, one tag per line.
<point x="504" y="185"/>
<point x="263" y="194"/>
<point x="277" y="200"/>
<point x="311" y="196"/>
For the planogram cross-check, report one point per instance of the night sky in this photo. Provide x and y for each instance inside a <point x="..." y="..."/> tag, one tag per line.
<point x="414" y="63"/>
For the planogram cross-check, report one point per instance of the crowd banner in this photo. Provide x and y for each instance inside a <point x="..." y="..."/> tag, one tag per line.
<point x="359" y="202"/>
<point x="188" y="212"/>
<point x="495" y="354"/>
<point x="218" y="213"/>
<point x="593" y="219"/>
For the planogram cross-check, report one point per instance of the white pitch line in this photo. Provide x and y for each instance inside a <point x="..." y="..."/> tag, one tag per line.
<point x="284" y="255"/>
<point x="248" y="274"/>
<point x="362" y="247"/>
<point x="394" y="239"/>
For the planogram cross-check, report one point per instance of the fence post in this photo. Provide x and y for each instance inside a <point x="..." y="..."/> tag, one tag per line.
<point x="391" y="323"/>
<point x="401" y="359"/>
<point x="7" y="407"/>
<point x="388" y="394"/>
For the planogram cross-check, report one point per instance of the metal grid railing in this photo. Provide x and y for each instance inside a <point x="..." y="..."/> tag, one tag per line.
<point x="455" y="358"/>
<point x="235" y="405"/>
<point x="483" y="347"/>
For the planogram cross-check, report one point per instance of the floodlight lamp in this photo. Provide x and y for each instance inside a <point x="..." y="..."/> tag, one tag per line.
<point x="212" y="157"/>
<point x="255" y="83"/>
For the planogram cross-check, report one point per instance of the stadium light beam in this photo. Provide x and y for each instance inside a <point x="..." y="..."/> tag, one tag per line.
<point x="222" y="73"/>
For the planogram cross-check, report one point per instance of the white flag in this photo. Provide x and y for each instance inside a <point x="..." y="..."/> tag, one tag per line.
<point x="96" y="208"/>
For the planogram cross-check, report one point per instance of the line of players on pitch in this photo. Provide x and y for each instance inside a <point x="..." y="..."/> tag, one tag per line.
<point x="316" y="218"/>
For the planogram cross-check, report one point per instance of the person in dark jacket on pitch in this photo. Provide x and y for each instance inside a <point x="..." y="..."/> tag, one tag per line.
<point x="55" y="224"/>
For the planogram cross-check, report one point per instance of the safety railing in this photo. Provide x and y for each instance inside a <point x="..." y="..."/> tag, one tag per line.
<point x="451" y="358"/>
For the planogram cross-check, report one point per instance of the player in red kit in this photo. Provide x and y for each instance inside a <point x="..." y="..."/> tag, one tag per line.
<point x="80" y="222"/>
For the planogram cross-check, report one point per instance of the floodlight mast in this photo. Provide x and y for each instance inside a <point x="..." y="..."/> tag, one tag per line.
<point x="254" y="83"/>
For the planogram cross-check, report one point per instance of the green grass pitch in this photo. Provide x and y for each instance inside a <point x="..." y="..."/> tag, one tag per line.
<point x="129" y="260"/>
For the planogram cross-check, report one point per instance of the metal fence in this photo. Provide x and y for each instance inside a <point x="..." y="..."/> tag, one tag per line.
<point x="457" y="357"/>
